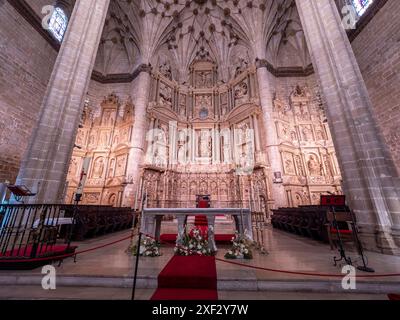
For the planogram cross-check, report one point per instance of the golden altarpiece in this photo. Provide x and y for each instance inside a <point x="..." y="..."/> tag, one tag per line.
<point x="201" y="134"/>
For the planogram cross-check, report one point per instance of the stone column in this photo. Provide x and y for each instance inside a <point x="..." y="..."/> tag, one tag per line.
<point x="271" y="138"/>
<point x="45" y="164"/>
<point x="370" y="179"/>
<point x="138" y="139"/>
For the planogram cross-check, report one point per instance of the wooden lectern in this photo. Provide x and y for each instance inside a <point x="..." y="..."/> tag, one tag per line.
<point x="20" y="192"/>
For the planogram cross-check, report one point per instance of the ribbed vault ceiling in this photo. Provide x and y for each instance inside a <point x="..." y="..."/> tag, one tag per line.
<point x="180" y="31"/>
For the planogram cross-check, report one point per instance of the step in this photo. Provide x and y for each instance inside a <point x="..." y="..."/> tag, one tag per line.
<point x="185" y="294"/>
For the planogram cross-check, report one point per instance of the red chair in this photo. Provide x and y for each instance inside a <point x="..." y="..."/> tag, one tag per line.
<point x="394" y="297"/>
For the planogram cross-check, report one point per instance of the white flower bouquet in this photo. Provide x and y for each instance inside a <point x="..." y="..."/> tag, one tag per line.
<point x="193" y="243"/>
<point x="241" y="248"/>
<point x="148" y="248"/>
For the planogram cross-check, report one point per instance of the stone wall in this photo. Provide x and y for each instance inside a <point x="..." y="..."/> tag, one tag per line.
<point x="26" y="62"/>
<point x="37" y="5"/>
<point x="377" y="49"/>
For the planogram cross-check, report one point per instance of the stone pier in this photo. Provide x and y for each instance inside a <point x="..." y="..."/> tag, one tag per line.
<point x="138" y="138"/>
<point x="271" y="138"/>
<point x="46" y="161"/>
<point x="370" y="180"/>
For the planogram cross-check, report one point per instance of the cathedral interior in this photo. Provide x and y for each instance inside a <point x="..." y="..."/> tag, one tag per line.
<point x="264" y="105"/>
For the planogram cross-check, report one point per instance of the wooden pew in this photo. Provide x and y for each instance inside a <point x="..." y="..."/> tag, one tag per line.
<point x="314" y="222"/>
<point x="94" y="221"/>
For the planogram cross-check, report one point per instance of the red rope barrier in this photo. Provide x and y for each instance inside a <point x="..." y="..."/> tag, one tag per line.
<point x="218" y="259"/>
<point x="288" y="271"/>
<point x="67" y="255"/>
<point x="306" y="273"/>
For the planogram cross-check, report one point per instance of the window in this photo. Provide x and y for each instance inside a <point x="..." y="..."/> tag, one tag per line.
<point x="58" y="24"/>
<point x="361" y="6"/>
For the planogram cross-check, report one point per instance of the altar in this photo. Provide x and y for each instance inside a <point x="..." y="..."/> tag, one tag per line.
<point x="152" y="218"/>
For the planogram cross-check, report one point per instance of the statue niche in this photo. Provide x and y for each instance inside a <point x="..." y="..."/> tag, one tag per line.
<point x="98" y="168"/>
<point x="205" y="144"/>
<point x="203" y="107"/>
<point x="241" y="66"/>
<point x="165" y="94"/>
<point x="165" y="70"/>
<point x="241" y="92"/>
<point x="314" y="166"/>
<point x="204" y="79"/>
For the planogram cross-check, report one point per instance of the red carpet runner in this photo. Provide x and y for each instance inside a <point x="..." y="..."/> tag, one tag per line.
<point x="188" y="278"/>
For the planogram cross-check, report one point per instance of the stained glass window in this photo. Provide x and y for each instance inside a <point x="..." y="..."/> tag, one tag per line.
<point x="361" y="6"/>
<point x="58" y="24"/>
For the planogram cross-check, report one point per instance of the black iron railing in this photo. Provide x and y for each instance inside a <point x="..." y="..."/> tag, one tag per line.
<point x="29" y="231"/>
<point x="32" y="231"/>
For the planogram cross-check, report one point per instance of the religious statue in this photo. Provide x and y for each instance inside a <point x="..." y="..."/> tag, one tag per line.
<point x="73" y="168"/>
<point x="241" y="90"/>
<point x="203" y="187"/>
<point x="227" y="152"/>
<point x="224" y="109"/>
<point x="285" y="131"/>
<point x="299" y="92"/>
<point x="306" y="134"/>
<point x="80" y="138"/>
<point x="165" y="94"/>
<point x="320" y="133"/>
<point x="120" y="170"/>
<point x="104" y="138"/>
<point x="92" y="139"/>
<point x="293" y="136"/>
<point x="106" y="117"/>
<point x="182" y="110"/>
<point x="182" y="156"/>
<point x="205" y="144"/>
<point x="98" y="169"/>
<point x="328" y="166"/>
<point x="224" y="189"/>
<point x="204" y="79"/>
<point x="165" y="70"/>
<point x="314" y="166"/>
<point x="241" y="66"/>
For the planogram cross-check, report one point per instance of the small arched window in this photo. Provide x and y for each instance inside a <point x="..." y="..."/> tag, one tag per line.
<point x="361" y="6"/>
<point x="58" y="23"/>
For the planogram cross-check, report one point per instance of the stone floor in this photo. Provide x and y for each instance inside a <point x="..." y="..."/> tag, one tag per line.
<point x="111" y="268"/>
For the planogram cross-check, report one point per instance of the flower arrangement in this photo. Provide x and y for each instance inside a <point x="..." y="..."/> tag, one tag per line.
<point x="241" y="248"/>
<point x="148" y="248"/>
<point x="193" y="243"/>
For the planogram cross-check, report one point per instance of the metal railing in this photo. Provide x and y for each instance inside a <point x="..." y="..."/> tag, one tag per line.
<point x="29" y="231"/>
<point x="32" y="231"/>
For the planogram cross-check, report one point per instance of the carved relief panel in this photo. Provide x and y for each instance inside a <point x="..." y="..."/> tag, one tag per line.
<point x="203" y="108"/>
<point x="203" y="79"/>
<point x="241" y="93"/>
<point x="165" y="95"/>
